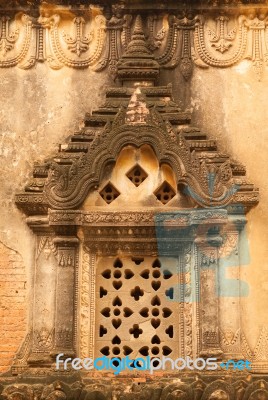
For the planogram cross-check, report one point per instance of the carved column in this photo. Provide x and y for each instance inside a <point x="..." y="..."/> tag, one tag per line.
<point x="233" y="254"/>
<point x="66" y="302"/>
<point x="198" y="234"/>
<point x="44" y="300"/>
<point x="206" y="248"/>
<point x="55" y="281"/>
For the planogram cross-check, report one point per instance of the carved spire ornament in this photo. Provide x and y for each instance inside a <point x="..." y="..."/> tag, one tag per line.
<point x="138" y="63"/>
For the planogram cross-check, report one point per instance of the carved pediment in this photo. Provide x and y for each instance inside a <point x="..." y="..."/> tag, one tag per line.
<point x="145" y="114"/>
<point x="210" y="177"/>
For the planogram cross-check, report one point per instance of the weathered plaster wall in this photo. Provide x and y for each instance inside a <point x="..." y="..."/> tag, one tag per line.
<point x="39" y="109"/>
<point x="231" y="105"/>
<point x="42" y="107"/>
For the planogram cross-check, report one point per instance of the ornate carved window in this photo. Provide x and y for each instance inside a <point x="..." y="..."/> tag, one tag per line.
<point x="140" y="277"/>
<point x="135" y="316"/>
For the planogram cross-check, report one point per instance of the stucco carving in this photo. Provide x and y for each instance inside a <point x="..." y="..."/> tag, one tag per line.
<point x="227" y="389"/>
<point x="53" y="201"/>
<point x="80" y="39"/>
<point x="209" y="177"/>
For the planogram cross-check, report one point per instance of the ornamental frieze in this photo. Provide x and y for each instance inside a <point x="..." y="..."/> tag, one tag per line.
<point x="92" y="38"/>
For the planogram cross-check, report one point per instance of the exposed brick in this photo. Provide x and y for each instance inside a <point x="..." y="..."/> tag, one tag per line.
<point x="13" y="307"/>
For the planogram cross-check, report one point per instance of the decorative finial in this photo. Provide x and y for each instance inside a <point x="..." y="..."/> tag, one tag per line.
<point x="138" y="26"/>
<point x="138" y="63"/>
<point x="138" y="44"/>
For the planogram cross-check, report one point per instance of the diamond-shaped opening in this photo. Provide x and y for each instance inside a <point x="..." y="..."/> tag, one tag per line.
<point x="137" y="175"/>
<point x="165" y="192"/>
<point x="109" y="193"/>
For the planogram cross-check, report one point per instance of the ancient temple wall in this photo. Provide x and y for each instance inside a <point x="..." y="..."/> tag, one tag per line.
<point x="230" y="105"/>
<point x="41" y="107"/>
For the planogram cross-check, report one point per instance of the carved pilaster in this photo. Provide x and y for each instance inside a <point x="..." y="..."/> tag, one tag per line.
<point x="187" y="304"/>
<point x="67" y="258"/>
<point x="44" y="295"/>
<point x="198" y="234"/>
<point x="206" y="247"/>
<point x="233" y="254"/>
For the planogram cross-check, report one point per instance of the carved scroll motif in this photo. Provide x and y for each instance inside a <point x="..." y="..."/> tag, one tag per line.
<point x="206" y="56"/>
<point x="93" y="41"/>
<point x="246" y="41"/>
<point x="168" y="56"/>
<point x="118" y="36"/>
<point x="77" y="43"/>
<point x="155" y="38"/>
<point x="258" y="43"/>
<point x="222" y="39"/>
<point x="9" y="39"/>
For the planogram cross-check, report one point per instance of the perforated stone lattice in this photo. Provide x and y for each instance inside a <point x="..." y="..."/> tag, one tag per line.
<point x="165" y="193"/>
<point x="133" y="314"/>
<point x="137" y="175"/>
<point x="109" y="193"/>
